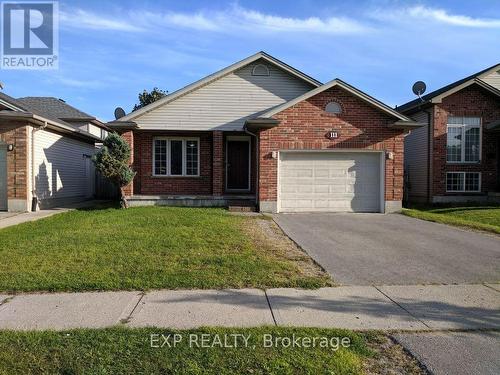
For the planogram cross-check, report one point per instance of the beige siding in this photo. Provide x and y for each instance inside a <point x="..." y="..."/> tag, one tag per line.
<point x="493" y="79"/>
<point x="61" y="169"/>
<point x="225" y="103"/>
<point x="416" y="158"/>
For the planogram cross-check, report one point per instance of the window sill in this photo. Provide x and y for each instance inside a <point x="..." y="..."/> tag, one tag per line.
<point x="464" y="193"/>
<point x="463" y="162"/>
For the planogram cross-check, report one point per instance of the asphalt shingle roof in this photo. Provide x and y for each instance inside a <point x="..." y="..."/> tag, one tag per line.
<point x="53" y="107"/>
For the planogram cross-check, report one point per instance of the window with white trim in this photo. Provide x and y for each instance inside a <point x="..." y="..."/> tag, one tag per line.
<point x="463" y="141"/>
<point x="463" y="182"/>
<point x="176" y="157"/>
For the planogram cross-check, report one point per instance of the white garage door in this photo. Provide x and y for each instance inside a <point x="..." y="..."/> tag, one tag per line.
<point x="329" y="181"/>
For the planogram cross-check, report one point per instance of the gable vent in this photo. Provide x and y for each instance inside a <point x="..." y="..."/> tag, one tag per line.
<point x="333" y="107"/>
<point x="260" y="70"/>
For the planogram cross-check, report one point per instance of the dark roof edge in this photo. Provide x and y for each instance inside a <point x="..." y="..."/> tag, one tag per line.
<point x="426" y="98"/>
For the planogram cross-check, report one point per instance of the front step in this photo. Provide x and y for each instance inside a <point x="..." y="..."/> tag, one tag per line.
<point x="240" y="208"/>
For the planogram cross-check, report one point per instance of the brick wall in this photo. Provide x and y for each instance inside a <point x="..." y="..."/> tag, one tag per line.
<point x="147" y="184"/>
<point x="304" y="126"/>
<point x="218" y="163"/>
<point x="17" y="159"/>
<point x="471" y="101"/>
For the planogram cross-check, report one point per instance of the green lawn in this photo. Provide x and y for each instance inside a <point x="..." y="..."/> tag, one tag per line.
<point x="485" y="218"/>
<point x="145" y="248"/>
<point x="129" y="351"/>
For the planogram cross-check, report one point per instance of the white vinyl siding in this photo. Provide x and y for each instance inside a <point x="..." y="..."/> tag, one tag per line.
<point x="226" y="103"/>
<point x="493" y="79"/>
<point x="463" y="182"/>
<point x="63" y="168"/>
<point x="417" y="157"/>
<point x="176" y="157"/>
<point x="330" y="182"/>
<point x="463" y="143"/>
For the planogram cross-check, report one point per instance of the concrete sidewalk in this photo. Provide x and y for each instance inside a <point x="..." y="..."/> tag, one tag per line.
<point x="8" y="219"/>
<point x="432" y="307"/>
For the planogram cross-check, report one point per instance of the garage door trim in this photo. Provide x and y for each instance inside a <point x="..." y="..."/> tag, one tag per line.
<point x="347" y="150"/>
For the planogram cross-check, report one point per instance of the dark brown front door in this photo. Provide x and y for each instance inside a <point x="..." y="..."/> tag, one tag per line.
<point x="238" y="165"/>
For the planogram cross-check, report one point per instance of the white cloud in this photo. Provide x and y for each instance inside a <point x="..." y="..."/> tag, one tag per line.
<point x="81" y="19"/>
<point x="423" y="14"/>
<point x="234" y="19"/>
<point x="442" y="15"/>
<point x="328" y="25"/>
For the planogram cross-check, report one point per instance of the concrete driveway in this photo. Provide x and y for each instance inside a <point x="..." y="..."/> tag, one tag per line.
<point x="376" y="249"/>
<point x="458" y="353"/>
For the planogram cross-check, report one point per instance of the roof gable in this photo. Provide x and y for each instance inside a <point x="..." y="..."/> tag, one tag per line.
<point x="351" y="89"/>
<point x="218" y="75"/>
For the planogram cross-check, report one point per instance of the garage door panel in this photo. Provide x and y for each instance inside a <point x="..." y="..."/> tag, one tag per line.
<point x="329" y="181"/>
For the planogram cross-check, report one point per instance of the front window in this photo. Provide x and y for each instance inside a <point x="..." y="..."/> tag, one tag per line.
<point x="463" y="143"/>
<point x="176" y="157"/>
<point x="463" y="182"/>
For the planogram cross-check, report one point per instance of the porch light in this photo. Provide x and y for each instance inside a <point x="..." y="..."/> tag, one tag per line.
<point x="10" y="147"/>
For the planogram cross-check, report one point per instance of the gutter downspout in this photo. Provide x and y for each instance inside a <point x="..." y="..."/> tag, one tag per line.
<point x="257" y="183"/>
<point x="34" y="198"/>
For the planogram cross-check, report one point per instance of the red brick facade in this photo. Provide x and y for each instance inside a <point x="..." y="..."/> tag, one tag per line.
<point x="211" y="180"/>
<point x="305" y="125"/>
<point x="17" y="159"/>
<point x="471" y="101"/>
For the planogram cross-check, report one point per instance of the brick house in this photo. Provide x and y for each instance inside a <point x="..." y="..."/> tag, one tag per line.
<point x="454" y="157"/>
<point x="45" y="150"/>
<point x="264" y="133"/>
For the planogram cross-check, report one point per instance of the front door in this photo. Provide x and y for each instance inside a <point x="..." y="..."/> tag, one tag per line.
<point x="238" y="164"/>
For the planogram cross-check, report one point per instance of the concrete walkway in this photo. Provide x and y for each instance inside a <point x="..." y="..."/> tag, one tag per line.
<point x="433" y="307"/>
<point x="8" y="219"/>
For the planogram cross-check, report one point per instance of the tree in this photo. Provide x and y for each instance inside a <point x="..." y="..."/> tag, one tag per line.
<point x="112" y="161"/>
<point x="146" y="97"/>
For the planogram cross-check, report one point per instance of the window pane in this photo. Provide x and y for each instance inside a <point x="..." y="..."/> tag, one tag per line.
<point x="472" y="144"/>
<point x="454" y="144"/>
<point x="176" y="158"/>
<point x="160" y="156"/>
<point x="191" y="158"/>
<point x="454" y="181"/>
<point x="472" y="182"/>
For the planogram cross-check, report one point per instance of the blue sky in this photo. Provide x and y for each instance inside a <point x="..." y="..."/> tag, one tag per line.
<point x="110" y="51"/>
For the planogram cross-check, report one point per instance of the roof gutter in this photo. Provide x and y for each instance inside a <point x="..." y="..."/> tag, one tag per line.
<point x="122" y="126"/>
<point x="405" y="125"/>
<point x="43" y="122"/>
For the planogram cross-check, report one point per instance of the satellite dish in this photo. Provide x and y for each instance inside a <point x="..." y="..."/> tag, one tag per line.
<point x="418" y="88"/>
<point x="119" y="113"/>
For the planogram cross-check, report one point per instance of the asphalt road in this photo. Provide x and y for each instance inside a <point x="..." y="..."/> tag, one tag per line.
<point x="377" y="249"/>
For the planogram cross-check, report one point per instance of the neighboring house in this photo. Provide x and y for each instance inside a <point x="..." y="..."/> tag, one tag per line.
<point x="45" y="151"/>
<point x="260" y="131"/>
<point x="454" y="157"/>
